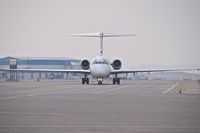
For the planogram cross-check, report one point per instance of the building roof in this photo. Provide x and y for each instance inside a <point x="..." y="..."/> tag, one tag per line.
<point x="39" y="60"/>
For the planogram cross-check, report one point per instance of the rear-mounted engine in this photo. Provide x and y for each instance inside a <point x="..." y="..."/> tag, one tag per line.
<point x="116" y="64"/>
<point x="85" y="64"/>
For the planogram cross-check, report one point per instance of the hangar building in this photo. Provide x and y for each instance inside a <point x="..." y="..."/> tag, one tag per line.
<point x="38" y="63"/>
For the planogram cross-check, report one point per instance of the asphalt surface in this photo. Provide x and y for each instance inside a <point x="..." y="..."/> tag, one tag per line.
<point x="67" y="106"/>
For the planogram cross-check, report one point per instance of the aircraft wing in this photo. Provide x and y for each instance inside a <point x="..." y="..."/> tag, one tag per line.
<point x="149" y="71"/>
<point x="47" y="70"/>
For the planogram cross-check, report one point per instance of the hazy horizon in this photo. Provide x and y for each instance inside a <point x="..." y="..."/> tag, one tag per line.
<point x="167" y="30"/>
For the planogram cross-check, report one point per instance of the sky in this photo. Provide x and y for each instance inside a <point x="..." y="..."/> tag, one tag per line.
<point x="168" y="31"/>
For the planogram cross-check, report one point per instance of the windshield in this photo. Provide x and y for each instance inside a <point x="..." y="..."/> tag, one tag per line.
<point x="101" y="62"/>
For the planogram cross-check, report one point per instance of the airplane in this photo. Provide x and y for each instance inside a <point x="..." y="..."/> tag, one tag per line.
<point x="99" y="67"/>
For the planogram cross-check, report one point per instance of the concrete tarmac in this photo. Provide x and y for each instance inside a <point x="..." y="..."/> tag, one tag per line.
<point x="68" y="106"/>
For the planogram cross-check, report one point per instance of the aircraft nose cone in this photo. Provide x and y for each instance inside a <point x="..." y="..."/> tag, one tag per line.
<point x="100" y="72"/>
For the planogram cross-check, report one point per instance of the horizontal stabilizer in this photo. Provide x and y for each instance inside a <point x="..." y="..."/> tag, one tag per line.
<point x="100" y="35"/>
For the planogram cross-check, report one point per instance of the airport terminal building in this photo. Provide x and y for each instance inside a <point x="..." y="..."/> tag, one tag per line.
<point x="38" y="63"/>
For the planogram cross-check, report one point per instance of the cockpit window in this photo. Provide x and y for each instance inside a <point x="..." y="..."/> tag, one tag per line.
<point x="100" y="62"/>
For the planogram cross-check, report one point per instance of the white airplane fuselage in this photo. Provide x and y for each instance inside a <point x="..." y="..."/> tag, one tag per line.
<point x="100" y="67"/>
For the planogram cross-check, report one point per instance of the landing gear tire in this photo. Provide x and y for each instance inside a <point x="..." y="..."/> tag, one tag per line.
<point x="116" y="81"/>
<point x="99" y="82"/>
<point x="85" y="80"/>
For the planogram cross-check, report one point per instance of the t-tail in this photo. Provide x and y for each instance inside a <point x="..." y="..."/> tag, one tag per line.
<point x="101" y="36"/>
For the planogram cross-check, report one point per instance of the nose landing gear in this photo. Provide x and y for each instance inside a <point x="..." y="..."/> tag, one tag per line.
<point x="100" y="81"/>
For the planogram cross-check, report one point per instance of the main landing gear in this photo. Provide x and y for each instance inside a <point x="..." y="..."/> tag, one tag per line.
<point x="116" y="80"/>
<point x="85" y="80"/>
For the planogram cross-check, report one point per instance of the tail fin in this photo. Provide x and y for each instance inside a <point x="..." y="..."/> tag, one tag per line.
<point x="101" y="36"/>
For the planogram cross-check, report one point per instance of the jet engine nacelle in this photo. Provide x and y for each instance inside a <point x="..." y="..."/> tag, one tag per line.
<point x="85" y="64"/>
<point x="116" y="64"/>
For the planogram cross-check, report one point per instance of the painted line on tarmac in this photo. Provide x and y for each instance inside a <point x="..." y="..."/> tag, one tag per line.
<point x="112" y="89"/>
<point x="36" y="93"/>
<point x="165" y="92"/>
<point x="12" y="97"/>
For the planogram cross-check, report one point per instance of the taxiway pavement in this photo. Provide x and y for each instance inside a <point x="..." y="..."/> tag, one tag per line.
<point x="68" y="106"/>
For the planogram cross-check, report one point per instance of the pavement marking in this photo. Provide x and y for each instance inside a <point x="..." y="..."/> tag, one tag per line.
<point x="12" y="97"/>
<point x="37" y="93"/>
<point x="33" y="113"/>
<point x="165" y="92"/>
<point x="112" y="89"/>
<point x="97" y="126"/>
